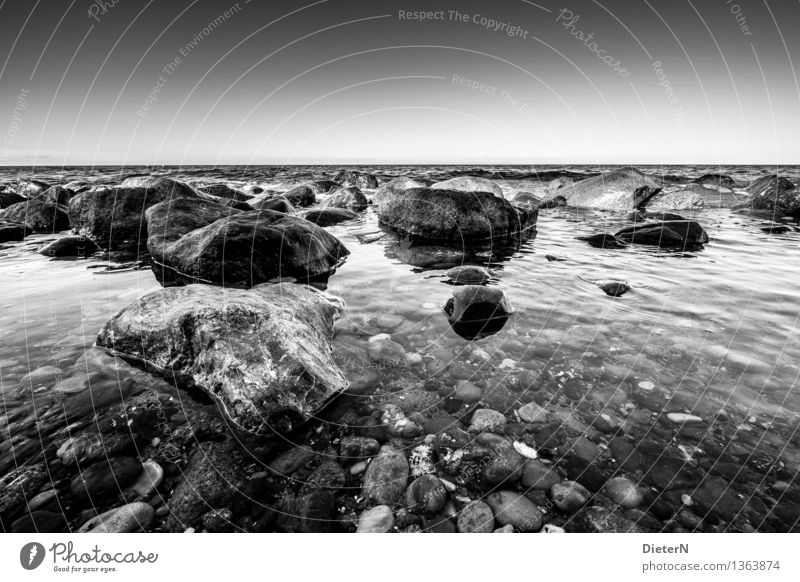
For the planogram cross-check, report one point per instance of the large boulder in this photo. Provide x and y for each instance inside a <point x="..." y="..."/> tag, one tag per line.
<point x="356" y="178"/>
<point x="682" y="199"/>
<point x="769" y="186"/>
<point x="55" y="195"/>
<point x="9" y="197"/>
<point x="397" y="185"/>
<point x="469" y="184"/>
<point x="31" y="188"/>
<point x="477" y="311"/>
<point x="264" y="354"/>
<point x="669" y="233"/>
<point x="11" y="230"/>
<point x="327" y="216"/>
<point x="720" y="180"/>
<point x="350" y="198"/>
<point x="69" y="246"/>
<point x="224" y="191"/>
<point x="621" y="189"/>
<point x="451" y="215"/>
<point x="773" y="197"/>
<point x="37" y="216"/>
<point x="323" y="186"/>
<point x="300" y="196"/>
<point x="202" y="241"/>
<point x="276" y="203"/>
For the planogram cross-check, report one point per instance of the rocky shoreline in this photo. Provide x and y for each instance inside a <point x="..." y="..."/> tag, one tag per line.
<point x="219" y="402"/>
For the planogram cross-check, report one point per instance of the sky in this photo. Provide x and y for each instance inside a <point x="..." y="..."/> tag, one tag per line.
<point x="337" y="82"/>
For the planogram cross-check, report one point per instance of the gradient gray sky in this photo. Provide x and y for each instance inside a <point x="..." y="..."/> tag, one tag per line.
<point x="331" y="81"/>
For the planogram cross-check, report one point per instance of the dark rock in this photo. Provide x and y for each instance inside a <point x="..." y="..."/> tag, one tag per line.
<point x="218" y="521"/>
<point x="386" y="477"/>
<point x="292" y="460"/>
<point x="11" y="231"/>
<point x="211" y="243"/>
<point x="775" y="195"/>
<point x="603" y="520"/>
<point x="615" y="288"/>
<point x="212" y="479"/>
<point x="426" y="494"/>
<point x="469" y="275"/>
<point x="224" y="191"/>
<point x="770" y="186"/>
<point x="105" y="477"/>
<point x="240" y="347"/>
<point x="356" y="178"/>
<point x="396" y="186"/>
<point x="604" y="241"/>
<point x="274" y="203"/>
<point x="513" y="509"/>
<point x="672" y="233"/>
<point x="454" y="216"/>
<point x="40" y="522"/>
<point x="353" y="448"/>
<point x="569" y="496"/>
<point x="348" y="198"/>
<point x="327" y="216"/>
<point x="70" y="246"/>
<point x="438" y="524"/>
<point x="17" y="486"/>
<point x="54" y="195"/>
<point x="477" y="517"/>
<point x="300" y="196"/>
<point x="536" y="475"/>
<point x="8" y="198"/>
<point x="37" y="216"/>
<point x="476" y="311"/>
<point x="505" y="466"/>
<point x="311" y="513"/>
<point x="323" y="186"/>
<point x="441" y="424"/>
<point x="328" y="475"/>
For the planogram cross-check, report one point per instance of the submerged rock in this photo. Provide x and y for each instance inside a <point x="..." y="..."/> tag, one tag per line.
<point x="476" y="311"/>
<point x="350" y="198"/>
<point x="670" y="233"/>
<point x="263" y="354"/>
<point x="769" y="186"/>
<point x="70" y="246"/>
<point x="327" y="216"/>
<point x="37" y="216"/>
<point x="212" y="243"/>
<point x="621" y="189"/>
<point x="615" y="288"/>
<point x="516" y="510"/>
<point x="323" y="186"/>
<point x="104" y="477"/>
<point x="683" y="199"/>
<point x="386" y="476"/>
<point x="721" y="180"/>
<point x="469" y="275"/>
<point x="469" y="184"/>
<point x="451" y="215"/>
<point x="477" y="517"/>
<point x="300" y="196"/>
<point x="604" y="241"/>
<point x="379" y="519"/>
<point x="224" y="191"/>
<point x="773" y="196"/>
<point x="11" y="230"/>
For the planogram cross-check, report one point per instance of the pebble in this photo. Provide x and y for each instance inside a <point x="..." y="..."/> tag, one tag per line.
<point x="358" y="468"/>
<point x="513" y="509"/>
<point x="623" y="492"/>
<point x="538" y="476"/>
<point x="550" y="528"/>
<point x="421" y="460"/>
<point x="386" y="352"/>
<point x="476" y="517"/>
<point x="525" y="450"/>
<point x="569" y="496"/>
<point x="126" y="519"/>
<point x="505" y="466"/>
<point x="379" y="519"/>
<point x="149" y="480"/>
<point x="426" y="494"/>
<point x="646" y="385"/>
<point x="356" y="447"/>
<point x="386" y="476"/>
<point x="468" y="392"/>
<point x="683" y="418"/>
<point x="487" y="420"/>
<point x="531" y="413"/>
<point x="42" y="499"/>
<point x="397" y="423"/>
<point x="505" y="529"/>
<point x="389" y="321"/>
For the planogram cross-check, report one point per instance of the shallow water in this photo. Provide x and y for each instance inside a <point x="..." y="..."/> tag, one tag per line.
<point x="702" y="331"/>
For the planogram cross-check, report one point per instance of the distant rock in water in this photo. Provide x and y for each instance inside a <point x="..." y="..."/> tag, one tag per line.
<point x="769" y="186"/>
<point x="527" y="199"/>
<point x="350" y="198"/>
<point x="202" y="241"/>
<point x="8" y="197"/>
<point x="276" y="203"/>
<point x="682" y="199"/>
<point x="327" y="216"/>
<point x="670" y="233"/>
<point x="721" y="180"/>
<point x="604" y="241"/>
<point x="356" y="178"/>
<point x="558" y="183"/>
<point x="396" y="186"/>
<point x="450" y="215"/>
<point x="469" y="184"/>
<point x="773" y="197"/>
<point x="622" y="189"/>
<point x="37" y="216"/>
<point x="476" y="312"/>
<point x="54" y="195"/>
<point x="323" y="186"/>
<point x="31" y="188"/>
<point x="469" y="275"/>
<point x="224" y="191"/>
<point x="615" y="288"/>
<point x="263" y="354"/>
<point x="70" y="246"/>
<point x="11" y="230"/>
<point x="300" y="196"/>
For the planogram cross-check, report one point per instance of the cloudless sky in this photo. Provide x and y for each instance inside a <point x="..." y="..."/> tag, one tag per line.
<point x="333" y="81"/>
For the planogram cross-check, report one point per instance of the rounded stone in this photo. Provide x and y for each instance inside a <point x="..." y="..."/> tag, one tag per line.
<point x="379" y="519"/>
<point x="128" y="518"/>
<point x="569" y="496"/>
<point x="516" y="510"/>
<point x="426" y="494"/>
<point x="476" y="517"/>
<point x="468" y="392"/>
<point x="623" y="492"/>
<point x="536" y="475"/>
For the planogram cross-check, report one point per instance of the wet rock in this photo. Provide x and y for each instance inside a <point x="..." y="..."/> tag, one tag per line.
<point x="527" y="199"/>
<point x="476" y="311"/>
<point x="683" y="418"/>
<point x="621" y="189"/>
<point x="603" y="520"/>
<point x="54" y="195"/>
<point x="682" y="199"/>
<point x="31" y="188"/>
<point x="770" y="186"/>
<point x="505" y="466"/>
<point x="7" y="198"/>
<point x="396" y="186"/>
<point x="438" y="524"/>
<point x="356" y="448"/>
<point x="37" y="216"/>
<point x="40" y="522"/>
<point x="348" y="198"/>
<point x="516" y="510"/>
<point x="604" y="241"/>
<point x="149" y="480"/>
<point x="487" y="420"/>
<point x="454" y="216"/>
<point x="670" y="233"/>
<point x="212" y="478"/>
<point x="323" y="186"/>
<point x="327" y="216"/>
<point x="218" y="521"/>
<point x="615" y="288"/>
<point x="666" y="472"/>
<point x="105" y="477"/>
<point x="552" y="528"/>
<point x="379" y="519"/>
<point x="569" y="496"/>
<point x="300" y="196"/>
<point x="290" y="461"/>
<point x="69" y="246"/>
<point x="263" y="354"/>
<point x="441" y="424"/>
<point x="426" y="494"/>
<point x="532" y="413"/>
<point x="328" y="475"/>
<point x="623" y="492"/>
<point x="469" y="184"/>
<point x="202" y="241"/>
<point x="274" y="203"/>
<point x="224" y="191"/>
<point x="129" y="518"/>
<point x="538" y="476"/>
<point x="311" y="513"/>
<point x="386" y="352"/>
<point x="720" y="180"/>
<point x="43" y="376"/>
<point x="585" y="472"/>
<point x="397" y="423"/>
<point x="476" y="517"/>
<point x="11" y="231"/>
<point x="715" y="496"/>
<point x="469" y="275"/>
<point x="468" y="392"/>
<point x="585" y="449"/>
<point x="44" y="500"/>
<point x="356" y="178"/>
<point x="386" y="476"/>
<point x="88" y="447"/>
<point x="16" y="487"/>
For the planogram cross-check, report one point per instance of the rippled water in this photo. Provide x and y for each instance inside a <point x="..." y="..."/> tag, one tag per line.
<point x="712" y="329"/>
